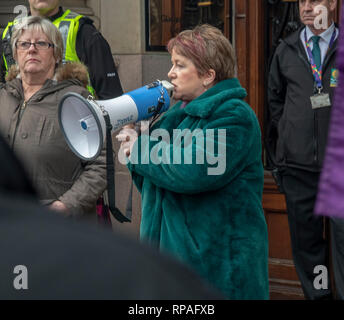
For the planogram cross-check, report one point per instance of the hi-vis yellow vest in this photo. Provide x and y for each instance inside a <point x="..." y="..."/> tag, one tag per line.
<point x="68" y="25"/>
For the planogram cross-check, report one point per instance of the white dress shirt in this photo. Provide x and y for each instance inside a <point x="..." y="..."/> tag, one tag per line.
<point x="324" y="40"/>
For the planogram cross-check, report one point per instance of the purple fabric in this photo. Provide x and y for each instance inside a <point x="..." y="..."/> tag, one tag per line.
<point x="183" y="105"/>
<point x="330" y="198"/>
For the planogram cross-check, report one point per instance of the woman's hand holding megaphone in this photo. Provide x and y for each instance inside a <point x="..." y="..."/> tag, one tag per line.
<point x="127" y="136"/>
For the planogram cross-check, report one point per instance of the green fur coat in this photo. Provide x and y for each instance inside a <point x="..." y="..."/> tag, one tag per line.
<point x="201" y="195"/>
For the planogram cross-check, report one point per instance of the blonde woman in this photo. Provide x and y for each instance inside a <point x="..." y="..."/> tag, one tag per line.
<point x="28" y="119"/>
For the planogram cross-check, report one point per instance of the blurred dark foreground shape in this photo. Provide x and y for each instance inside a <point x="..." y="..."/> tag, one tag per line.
<point x="69" y="259"/>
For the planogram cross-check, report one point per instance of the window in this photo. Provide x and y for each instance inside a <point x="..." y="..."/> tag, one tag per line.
<point x="166" y="18"/>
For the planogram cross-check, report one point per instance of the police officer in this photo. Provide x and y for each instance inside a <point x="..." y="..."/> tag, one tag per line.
<point x="82" y="42"/>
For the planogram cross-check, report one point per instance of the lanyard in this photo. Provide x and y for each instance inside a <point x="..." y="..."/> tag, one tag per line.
<point x="318" y="73"/>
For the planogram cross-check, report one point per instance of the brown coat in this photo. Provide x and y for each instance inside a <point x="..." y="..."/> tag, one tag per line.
<point x="35" y="136"/>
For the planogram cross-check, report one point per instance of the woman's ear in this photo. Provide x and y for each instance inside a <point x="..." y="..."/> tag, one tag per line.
<point x="15" y="60"/>
<point x="209" y="78"/>
<point x="57" y="63"/>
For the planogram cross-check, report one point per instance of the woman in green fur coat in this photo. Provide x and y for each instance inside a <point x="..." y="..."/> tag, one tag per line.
<point x="199" y="170"/>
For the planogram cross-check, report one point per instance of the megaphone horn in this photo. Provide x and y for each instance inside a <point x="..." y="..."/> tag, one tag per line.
<point x="82" y="120"/>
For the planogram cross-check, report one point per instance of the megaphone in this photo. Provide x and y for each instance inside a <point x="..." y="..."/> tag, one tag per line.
<point x="82" y="120"/>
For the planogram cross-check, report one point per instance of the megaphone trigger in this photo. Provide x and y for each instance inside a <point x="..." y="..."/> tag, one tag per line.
<point x="153" y="84"/>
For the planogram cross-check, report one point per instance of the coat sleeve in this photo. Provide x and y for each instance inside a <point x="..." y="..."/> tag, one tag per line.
<point x="90" y="184"/>
<point x="2" y="66"/>
<point x="276" y="99"/>
<point x="88" y="187"/>
<point x="276" y="89"/>
<point x="94" y="51"/>
<point x="228" y="145"/>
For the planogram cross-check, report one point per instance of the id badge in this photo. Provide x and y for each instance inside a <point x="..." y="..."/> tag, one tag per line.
<point x="334" y="78"/>
<point x="320" y="100"/>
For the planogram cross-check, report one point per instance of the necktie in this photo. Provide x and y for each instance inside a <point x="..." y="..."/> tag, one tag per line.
<point x="316" y="51"/>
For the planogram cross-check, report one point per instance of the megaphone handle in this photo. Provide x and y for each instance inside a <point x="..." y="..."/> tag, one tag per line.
<point x="161" y="102"/>
<point x="110" y="173"/>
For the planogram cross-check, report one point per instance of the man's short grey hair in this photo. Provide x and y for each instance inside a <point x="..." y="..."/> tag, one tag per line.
<point x="37" y="23"/>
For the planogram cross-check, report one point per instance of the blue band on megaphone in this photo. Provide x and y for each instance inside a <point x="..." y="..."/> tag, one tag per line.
<point x="147" y="100"/>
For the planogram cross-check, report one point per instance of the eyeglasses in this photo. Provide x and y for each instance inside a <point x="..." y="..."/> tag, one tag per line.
<point x="40" y="45"/>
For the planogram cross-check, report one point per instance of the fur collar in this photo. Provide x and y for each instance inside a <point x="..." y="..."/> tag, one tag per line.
<point x="204" y="105"/>
<point x="68" y="71"/>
